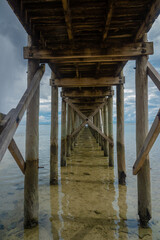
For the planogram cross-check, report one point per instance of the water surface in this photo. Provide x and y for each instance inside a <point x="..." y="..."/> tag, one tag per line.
<point x="87" y="203"/>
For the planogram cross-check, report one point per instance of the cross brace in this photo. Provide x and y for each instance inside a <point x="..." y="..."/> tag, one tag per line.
<point x="87" y="120"/>
<point x="13" y="148"/>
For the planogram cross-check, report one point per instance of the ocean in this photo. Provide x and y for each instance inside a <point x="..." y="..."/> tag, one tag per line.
<point x="64" y="211"/>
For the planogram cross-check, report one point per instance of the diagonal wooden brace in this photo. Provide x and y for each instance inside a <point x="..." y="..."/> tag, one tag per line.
<point x="87" y="120"/>
<point x="11" y="126"/>
<point x="13" y="148"/>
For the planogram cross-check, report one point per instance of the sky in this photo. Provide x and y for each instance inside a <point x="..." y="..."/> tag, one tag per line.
<point x="13" y="71"/>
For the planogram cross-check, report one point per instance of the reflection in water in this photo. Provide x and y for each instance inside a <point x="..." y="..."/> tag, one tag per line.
<point x="123" y="229"/>
<point x="87" y="204"/>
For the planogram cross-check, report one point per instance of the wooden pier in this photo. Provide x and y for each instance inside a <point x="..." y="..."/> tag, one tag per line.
<point x="86" y="45"/>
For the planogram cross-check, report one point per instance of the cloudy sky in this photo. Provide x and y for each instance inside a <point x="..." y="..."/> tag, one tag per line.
<point x="13" y="70"/>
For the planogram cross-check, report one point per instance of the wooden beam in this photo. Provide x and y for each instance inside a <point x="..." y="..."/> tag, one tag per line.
<point x="108" y="19"/>
<point x="8" y="132"/>
<point x="90" y="93"/>
<point x="12" y="146"/>
<point x="87" y="120"/>
<point x="107" y="54"/>
<point x="54" y="70"/>
<point x="76" y="131"/>
<point x="148" y="143"/>
<point x="149" y="19"/>
<point x="88" y="82"/>
<point x="67" y="14"/>
<point x="87" y="101"/>
<point x="153" y="74"/>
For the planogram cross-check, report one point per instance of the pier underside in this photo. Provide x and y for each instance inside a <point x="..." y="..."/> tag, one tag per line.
<point x="86" y="44"/>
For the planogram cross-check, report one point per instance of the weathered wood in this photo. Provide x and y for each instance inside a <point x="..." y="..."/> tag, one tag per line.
<point x="129" y="50"/>
<point x="63" y="133"/>
<point x="88" y="82"/>
<point x="110" y="130"/>
<point x="153" y="74"/>
<point x="31" y="204"/>
<point x="66" y="9"/>
<point x="16" y="154"/>
<point x="8" y="132"/>
<point x="120" y="136"/>
<point x="12" y="146"/>
<point x="144" y="194"/>
<point x="91" y="93"/>
<point x="54" y="136"/>
<point x="72" y="128"/>
<point x="149" y="19"/>
<point x="108" y="19"/>
<point x="147" y="145"/>
<point x="88" y="121"/>
<point x="105" y="126"/>
<point x="68" y="132"/>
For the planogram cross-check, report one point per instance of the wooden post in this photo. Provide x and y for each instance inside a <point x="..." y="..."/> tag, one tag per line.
<point x="144" y="192"/>
<point x="120" y="135"/>
<point x="72" y="128"/>
<point x="54" y="135"/>
<point x="31" y="204"/>
<point x="69" y="131"/>
<point x="63" y="134"/>
<point x="110" y="130"/>
<point x="106" y="145"/>
<point x="76" y="121"/>
<point x="101" y="128"/>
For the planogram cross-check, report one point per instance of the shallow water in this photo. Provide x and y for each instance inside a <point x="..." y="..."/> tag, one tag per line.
<point x="87" y="203"/>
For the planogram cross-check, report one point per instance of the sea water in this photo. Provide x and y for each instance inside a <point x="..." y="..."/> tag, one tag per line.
<point x="87" y="203"/>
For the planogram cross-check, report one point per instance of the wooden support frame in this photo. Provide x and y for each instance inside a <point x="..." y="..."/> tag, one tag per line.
<point x="148" y="143"/>
<point x="11" y="126"/>
<point x="13" y="148"/>
<point x="153" y="74"/>
<point x="128" y="52"/>
<point x="108" y="19"/>
<point x="88" y="121"/>
<point x="88" y="82"/>
<point x="67" y="15"/>
<point x="150" y="17"/>
<point x="89" y="93"/>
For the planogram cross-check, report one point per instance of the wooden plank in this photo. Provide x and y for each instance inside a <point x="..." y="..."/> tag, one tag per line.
<point x="67" y="15"/>
<point x="108" y="19"/>
<point x="12" y="146"/>
<point x="148" y="143"/>
<point x="90" y="93"/>
<point x="149" y="20"/>
<point x="88" y="82"/>
<point x="129" y="50"/>
<point x="153" y="74"/>
<point x="8" y="132"/>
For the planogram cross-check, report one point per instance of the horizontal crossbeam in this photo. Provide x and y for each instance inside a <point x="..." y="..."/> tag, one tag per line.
<point x="148" y="143"/>
<point x="88" y="82"/>
<point x="11" y="126"/>
<point x="89" y="93"/>
<point x="128" y="51"/>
